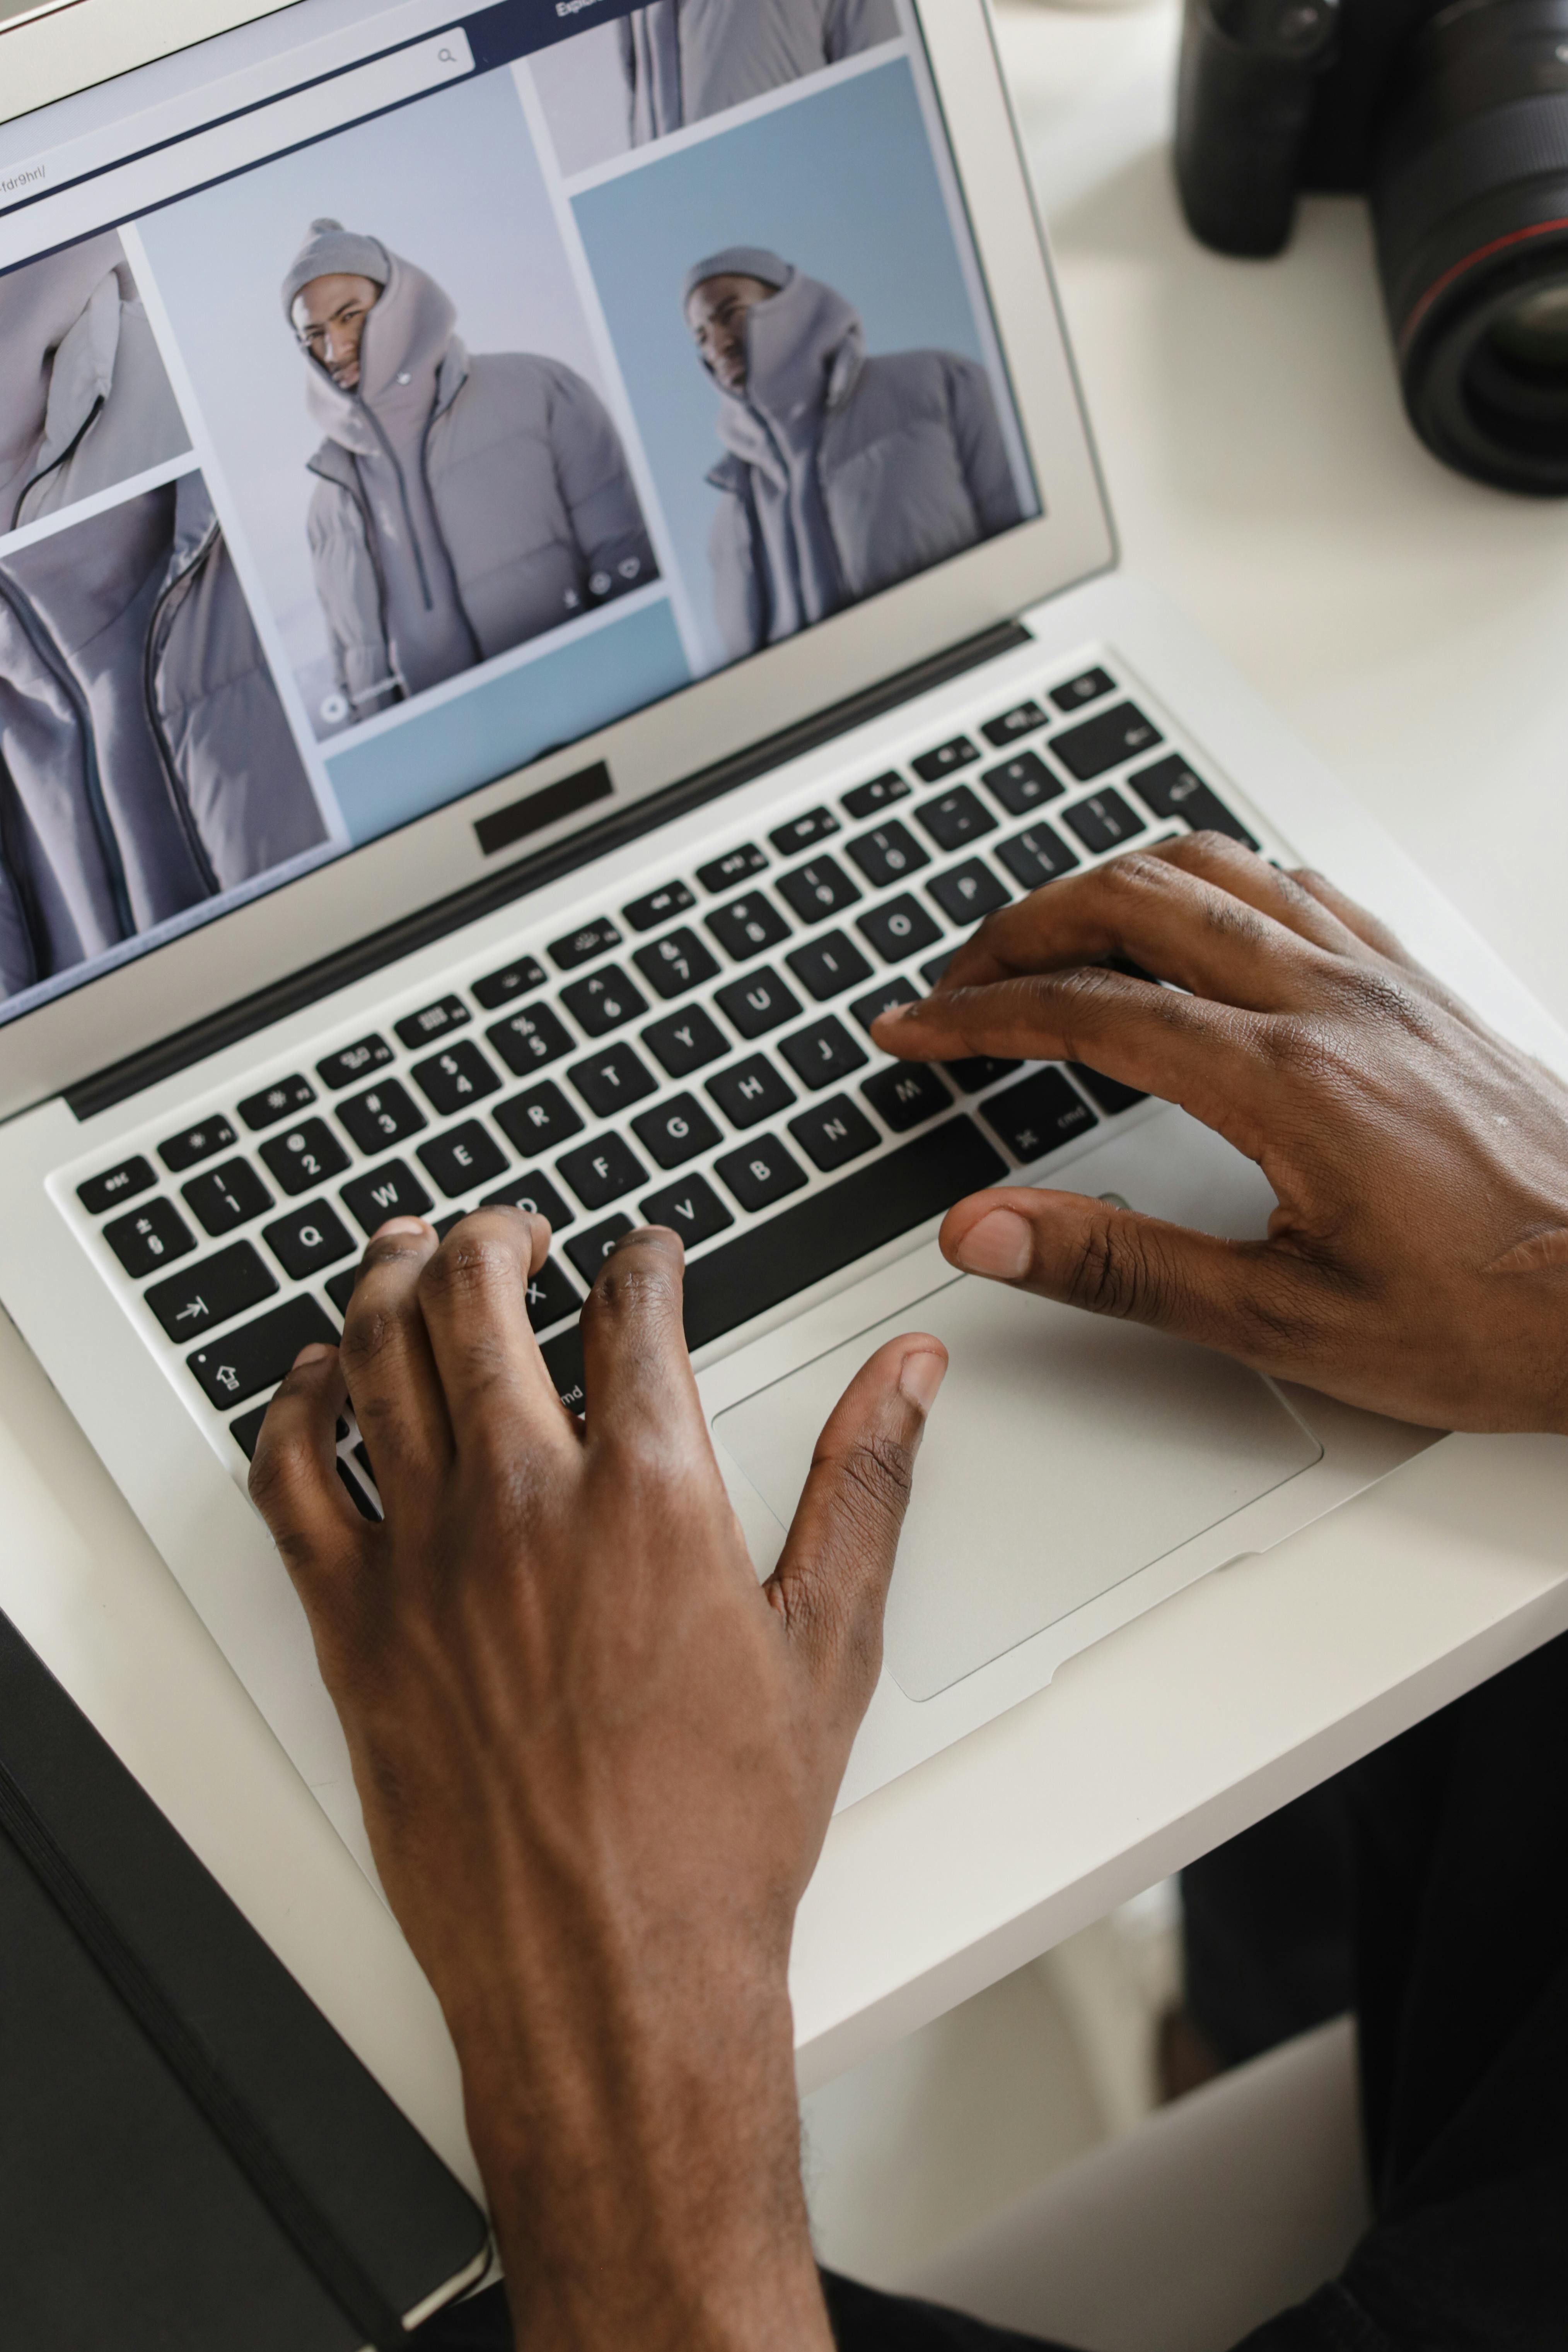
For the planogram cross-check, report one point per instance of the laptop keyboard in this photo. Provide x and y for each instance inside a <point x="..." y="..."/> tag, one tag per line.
<point x="697" y="1057"/>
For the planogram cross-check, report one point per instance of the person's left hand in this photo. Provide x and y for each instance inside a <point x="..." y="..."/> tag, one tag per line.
<point x="597" y="1759"/>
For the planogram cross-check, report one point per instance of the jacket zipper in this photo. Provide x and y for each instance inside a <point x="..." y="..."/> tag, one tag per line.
<point x="435" y="419"/>
<point x="54" y="661"/>
<point x="67" y="454"/>
<point x="157" y="635"/>
<point x="389" y="453"/>
<point x="14" y="866"/>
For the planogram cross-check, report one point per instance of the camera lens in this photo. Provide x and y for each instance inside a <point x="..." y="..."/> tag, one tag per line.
<point x="1470" y="204"/>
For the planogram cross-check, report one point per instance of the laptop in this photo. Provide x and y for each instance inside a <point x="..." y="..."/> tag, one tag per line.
<point x="552" y="565"/>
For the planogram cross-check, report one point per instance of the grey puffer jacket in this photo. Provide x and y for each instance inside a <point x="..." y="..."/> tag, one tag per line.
<point x="82" y="378"/>
<point x="527" y="481"/>
<point x="844" y="474"/>
<point x="145" y="762"/>
<point x="685" y="59"/>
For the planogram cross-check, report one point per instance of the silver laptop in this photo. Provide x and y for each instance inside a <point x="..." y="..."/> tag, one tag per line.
<point x="552" y="565"/>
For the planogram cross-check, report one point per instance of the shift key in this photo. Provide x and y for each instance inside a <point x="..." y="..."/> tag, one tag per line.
<point x="257" y="1355"/>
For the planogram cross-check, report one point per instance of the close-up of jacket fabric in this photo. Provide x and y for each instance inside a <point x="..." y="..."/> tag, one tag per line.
<point x="844" y="473"/>
<point x="146" y="761"/>
<point x="463" y="504"/>
<point x="686" y="59"/>
<point x="85" y="402"/>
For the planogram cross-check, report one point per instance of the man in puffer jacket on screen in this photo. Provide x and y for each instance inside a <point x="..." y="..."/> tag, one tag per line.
<point x="686" y="59"/>
<point x="843" y="473"/>
<point x="464" y="504"/>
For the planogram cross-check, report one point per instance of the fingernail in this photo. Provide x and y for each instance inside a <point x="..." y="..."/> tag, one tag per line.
<point x="402" y="1225"/>
<point x="999" y="1246"/>
<point x="921" y="1377"/>
<point x="316" y="1353"/>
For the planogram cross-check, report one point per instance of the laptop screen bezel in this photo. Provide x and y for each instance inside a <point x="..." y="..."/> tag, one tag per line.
<point x="259" y="944"/>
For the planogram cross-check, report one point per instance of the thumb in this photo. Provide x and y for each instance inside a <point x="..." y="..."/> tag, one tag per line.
<point x="1248" y="1299"/>
<point x="831" y="1583"/>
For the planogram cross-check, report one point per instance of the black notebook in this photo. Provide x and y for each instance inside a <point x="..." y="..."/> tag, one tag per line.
<point x="191" y="2159"/>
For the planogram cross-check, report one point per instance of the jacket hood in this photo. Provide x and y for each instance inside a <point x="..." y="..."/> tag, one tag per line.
<point x="408" y="338"/>
<point x="805" y="347"/>
<point x="59" y="333"/>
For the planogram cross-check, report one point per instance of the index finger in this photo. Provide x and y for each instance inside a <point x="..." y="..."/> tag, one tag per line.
<point x="637" y="1369"/>
<point x="473" y="1296"/>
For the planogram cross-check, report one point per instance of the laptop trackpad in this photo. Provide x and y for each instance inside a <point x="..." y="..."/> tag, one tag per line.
<point x="1065" y="1453"/>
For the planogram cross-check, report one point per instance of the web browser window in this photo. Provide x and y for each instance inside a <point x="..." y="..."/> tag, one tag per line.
<point x="387" y="400"/>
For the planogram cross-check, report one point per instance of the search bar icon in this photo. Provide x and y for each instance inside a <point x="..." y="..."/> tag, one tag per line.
<point x="121" y="193"/>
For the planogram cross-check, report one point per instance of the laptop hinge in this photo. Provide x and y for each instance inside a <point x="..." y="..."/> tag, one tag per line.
<point x="122" y="1079"/>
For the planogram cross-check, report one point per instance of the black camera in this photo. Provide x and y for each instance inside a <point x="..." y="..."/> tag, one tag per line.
<point x="1454" y="121"/>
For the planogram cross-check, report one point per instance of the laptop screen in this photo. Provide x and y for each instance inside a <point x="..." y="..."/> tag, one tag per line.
<point x="386" y="400"/>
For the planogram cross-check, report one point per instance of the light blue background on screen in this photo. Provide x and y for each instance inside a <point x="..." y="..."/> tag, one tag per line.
<point x="843" y="185"/>
<point x="450" y="749"/>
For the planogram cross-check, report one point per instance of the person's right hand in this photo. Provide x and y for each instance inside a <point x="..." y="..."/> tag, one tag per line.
<point x="1417" y="1261"/>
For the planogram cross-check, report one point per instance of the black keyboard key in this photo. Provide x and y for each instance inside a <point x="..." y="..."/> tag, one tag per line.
<point x="691" y="1209"/>
<point x="893" y="992"/>
<point x="99" y="1194"/>
<point x="613" y="1079"/>
<point x="551" y="1296"/>
<point x="824" y="1054"/>
<point x="1104" y="742"/>
<point x="226" y="1196"/>
<point x="945" y="761"/>
<point x="801" y="831"/>
<point x="956" y="818"/>
<point x="529" y="1039"/>
<point x="906" y="1096"/>
<point x="1104" y="822"/>
<point x="817" y="889"/>
<point x="676" y="964"/>
<point x="889" y="853"/>
<point x="747" y="926"/>
<point x="304" y="1157"/>
<point x="215" y="1290"/>
<point x="563" y="1363"/>
<point x="393" y="1191"/>
<point x="539" y="1120"/>
<point x="1036" y="855"/>
<point x="968" y="891"/>
<point x="462" y="1159"/>
<point x="936" y="969"/>
<point x="149" y="1238"/>
<point x="196" y="1144"/>
<point x="1022" y="719"/>
<point x="387" y="1114"/>
<point x="307" y="1240"/>
<point x="273" y="1103"/>
<point x="1023" y="782"/>
<point x="684" y="1042"/>
<point x="827" y="966"/>
<point x="981" y="1070"/>
<point x="246" y="1431"/>
<point x="515" y="979"/>
<point x="534" y="1191"/>
<point x="1089" y="686"/>
<point x="752" y="1091"/>
<point x="354" y="1061"/>
<point x="903" y="927"/>
<point x="1037" y="1114"/>
<point x="676" y="1131"/>
<point x="1108" y="1093"/>
<point x="736" y="865"/>
<point x="601" y="1172"/>
<point x="590" y="1250"/>
<point x="259" y="1354"/>
<point x="646" y="914"/>
<point x="603" y="1002"/>
<point x="433" y="1021"/>
<point x="1171" y="789"/>
<point x="879" y="794"/>
<point x="592" y="940"/>
<point x="341" y="1288"/>
<point x="764" y="1265"/>
<point x="761" y="1173"/>
<point x="757" y="1003"/>
<point x="452" y="1080"/>
<point x="834" y="1132"/>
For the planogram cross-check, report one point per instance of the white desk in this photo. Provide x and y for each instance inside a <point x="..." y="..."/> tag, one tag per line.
<point x="1410" y="625"/>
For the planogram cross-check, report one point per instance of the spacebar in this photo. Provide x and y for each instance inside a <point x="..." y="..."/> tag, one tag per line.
<point x="725" y="1287"/>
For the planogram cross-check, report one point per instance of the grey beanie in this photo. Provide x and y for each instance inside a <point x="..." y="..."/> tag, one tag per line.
<point x="330" y="251"/>
<point x="739" y="261"/>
